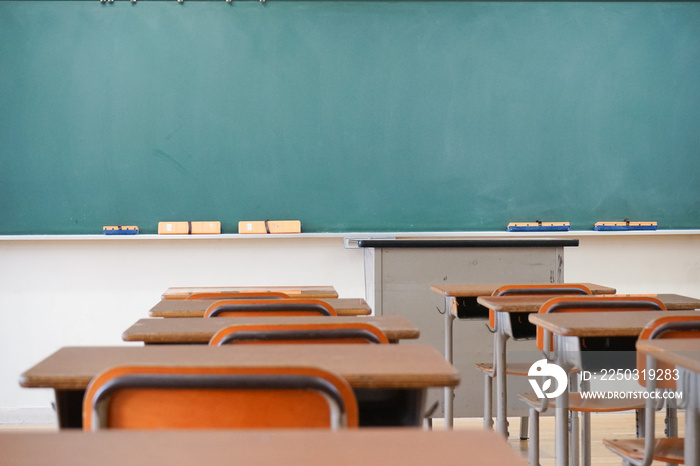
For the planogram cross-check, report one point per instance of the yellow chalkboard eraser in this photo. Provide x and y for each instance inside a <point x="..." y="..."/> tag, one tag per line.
<point x="263" y="227"/>
<point x="189" y="228"/>
<point x="625" y="225"/>
<point x="120" y="230"/>
<point x="539" y="226"/>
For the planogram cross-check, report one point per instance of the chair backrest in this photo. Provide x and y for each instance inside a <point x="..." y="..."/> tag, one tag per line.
<point x="335" y="332"/>
<point x="159" y="397"/>
<point x="228" y="295"/>
<point x="607" y="303"/>
<point x="668" y="326"/>
<point x="269" y="307"/>
<point x="537" y="289"/>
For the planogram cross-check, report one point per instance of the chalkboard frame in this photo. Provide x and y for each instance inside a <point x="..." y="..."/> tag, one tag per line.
<point x="396" y="155"/>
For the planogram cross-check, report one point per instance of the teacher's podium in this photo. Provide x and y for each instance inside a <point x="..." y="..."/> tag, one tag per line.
<point x="400" y="272"/>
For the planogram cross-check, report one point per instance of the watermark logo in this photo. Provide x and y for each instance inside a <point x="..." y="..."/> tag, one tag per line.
<point x="542" y="368"/>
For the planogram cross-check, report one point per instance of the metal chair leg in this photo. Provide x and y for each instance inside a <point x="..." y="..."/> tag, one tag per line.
<point x="671" y="421"/>
<point x="523" y="428"/>
<point x="639" y="416"/>
<point x="488" y="414"/>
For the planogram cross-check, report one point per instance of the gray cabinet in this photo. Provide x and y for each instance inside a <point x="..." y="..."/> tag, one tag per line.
<point x="398" y="277"/>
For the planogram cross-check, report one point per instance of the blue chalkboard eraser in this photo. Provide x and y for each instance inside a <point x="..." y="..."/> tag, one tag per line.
<point x="120" y="230"/>
<point x="539" y="226"/>
<point x="625" y="225"/>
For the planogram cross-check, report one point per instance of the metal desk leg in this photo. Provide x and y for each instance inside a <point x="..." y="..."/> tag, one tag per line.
<point x="692" y="418"/>
<point x="449" y="391"/>
<point x="585" y="424"/>
<point x="671" y="421"/>
<point x="586" y="439"/>
<point x="533" y="444"/>
<point x="561" y="412"/>
<point x="561" y="430"/>
<point x="500" y="371"/>
<point x="574" y="436"/>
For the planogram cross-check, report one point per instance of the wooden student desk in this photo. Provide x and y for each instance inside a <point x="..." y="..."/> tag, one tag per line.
<point x="506" y="308"/>
<point x="313" y="447"/>
<point x="685" y="355"/>
<point x="389" y="380"/>
<point x="461" y="302"/>
<point x="197" y="307"/>
<point x="182" y="292"/>
<point x="567" y="329"/>
<point x="174" y="331"/>
<point x="530" y="304"/>
<point x="589" y="324"/>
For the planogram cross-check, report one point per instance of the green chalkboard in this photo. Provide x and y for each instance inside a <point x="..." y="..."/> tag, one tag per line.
<point x="348" y="116"/>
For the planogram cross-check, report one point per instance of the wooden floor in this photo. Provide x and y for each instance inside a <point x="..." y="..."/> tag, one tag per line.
<point x="603" y="426"/>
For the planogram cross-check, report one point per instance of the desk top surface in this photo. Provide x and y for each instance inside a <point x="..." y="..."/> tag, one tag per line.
<point x="363" y="366"/>
<point x="182" y="292"/>
<point x="201" y="330"/>
<point x="313" y="447"/>
<point x="683" y="352"/>
<point x="197" y="307"/>
<point x="474" y="290"/>
<point x="599" y="324"/>
<point x="532" y="303"/>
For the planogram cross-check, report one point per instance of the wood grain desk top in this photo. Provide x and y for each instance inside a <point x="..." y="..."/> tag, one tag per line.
<point x="599" y="324"/>
<point x="472" y="291"/>
<point x="196" y="307"/>
<point x="313" y="447"/>
<point x="533" y="303"/>
<point x="363" y="366"/>
<point x="201" y="330"/>
<point x="182" y="292"/>
<point x="683" y="352"/>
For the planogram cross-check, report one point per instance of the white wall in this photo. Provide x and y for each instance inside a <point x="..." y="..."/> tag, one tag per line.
<point x="68" y="292"/>
<point x="637" y="263"/>
<point x="56" y="293"/>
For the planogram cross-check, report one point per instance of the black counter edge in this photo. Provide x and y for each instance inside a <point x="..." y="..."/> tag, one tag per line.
<point x="467" y="243"/>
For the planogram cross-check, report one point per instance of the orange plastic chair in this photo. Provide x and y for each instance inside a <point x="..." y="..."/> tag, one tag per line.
<point x="267" y="307"/>
<point x="336" y="332"/>
<point x="519" y="369"/>
<point x="607" y="303"/>
<point x="226" y="295"/>
<point x="668" y="326"/>
<point x="537" y="289"/>
<point x="671" y="449"/>
<point x="158" y="397"/>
